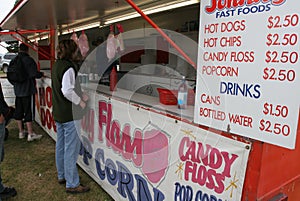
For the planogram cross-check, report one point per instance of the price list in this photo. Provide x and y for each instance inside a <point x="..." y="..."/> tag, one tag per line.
<point x="248" y="69"/>
<point x="280" y="68"/>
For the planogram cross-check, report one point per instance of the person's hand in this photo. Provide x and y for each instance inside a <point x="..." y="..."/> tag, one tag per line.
<point x="2" y="119"/>
<point x="39" y="75"/>
<point x="85" y="97"/>
<point x="82" y="104"/>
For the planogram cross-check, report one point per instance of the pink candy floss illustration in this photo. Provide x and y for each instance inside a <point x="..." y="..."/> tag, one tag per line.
<point x="156" y="155"/>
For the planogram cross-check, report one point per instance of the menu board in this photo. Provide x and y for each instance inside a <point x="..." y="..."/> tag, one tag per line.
<point x="248" y="68"/>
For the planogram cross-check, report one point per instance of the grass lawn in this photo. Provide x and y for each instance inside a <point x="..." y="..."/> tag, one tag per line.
<point x="30" y="168"/>
<point x="2" y="74"/>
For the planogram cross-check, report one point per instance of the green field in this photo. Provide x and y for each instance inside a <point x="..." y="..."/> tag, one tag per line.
<point x="30" y="168"/>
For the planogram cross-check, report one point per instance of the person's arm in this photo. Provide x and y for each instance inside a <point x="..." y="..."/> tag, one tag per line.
<point x="68" y="86"/>
<point x="30" y="65"/>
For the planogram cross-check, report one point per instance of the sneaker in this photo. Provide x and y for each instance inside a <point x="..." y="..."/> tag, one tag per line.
<point x="78" y="189"/>
<point x="21" y="135"/>
<point x="8" y="192"/>
<point x="33" y="136"/>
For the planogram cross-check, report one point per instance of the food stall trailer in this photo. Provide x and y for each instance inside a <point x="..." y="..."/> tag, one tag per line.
<point x="137" y="148"/>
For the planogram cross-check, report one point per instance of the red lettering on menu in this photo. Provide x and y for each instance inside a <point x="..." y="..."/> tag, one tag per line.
<point x="228" y="4"/>
<point x="210" y="99"/>
<point x="241" y="120"/>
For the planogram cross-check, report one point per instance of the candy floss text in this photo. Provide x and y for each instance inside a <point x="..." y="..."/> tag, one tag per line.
<point x="205" y="165"/>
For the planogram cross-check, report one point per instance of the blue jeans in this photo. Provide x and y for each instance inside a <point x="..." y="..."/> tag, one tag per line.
<point x="2" y="134"/>
<point x="67" y="151"/>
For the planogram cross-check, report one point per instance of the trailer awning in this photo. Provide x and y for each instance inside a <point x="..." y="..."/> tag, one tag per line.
<point x="67" y="14"/>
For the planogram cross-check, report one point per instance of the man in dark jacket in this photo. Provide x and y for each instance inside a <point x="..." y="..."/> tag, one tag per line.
<point x="25" y="95"/>
<point x="5" y="192"/>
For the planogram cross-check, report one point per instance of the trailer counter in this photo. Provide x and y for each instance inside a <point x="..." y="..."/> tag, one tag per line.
<point x="139" y="149"/>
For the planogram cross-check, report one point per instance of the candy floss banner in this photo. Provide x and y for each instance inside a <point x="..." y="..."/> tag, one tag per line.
<point x="136" y="154"/>
<point x="248" y="68"/>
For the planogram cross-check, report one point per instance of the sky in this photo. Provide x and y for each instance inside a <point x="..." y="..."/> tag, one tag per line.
<point x="5" y="7"/>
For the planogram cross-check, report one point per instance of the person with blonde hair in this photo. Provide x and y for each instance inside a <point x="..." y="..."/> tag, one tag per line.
<point x="69" y="103"/>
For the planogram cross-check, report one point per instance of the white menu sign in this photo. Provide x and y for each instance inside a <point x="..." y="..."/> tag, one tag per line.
<point x="248" y="68"/>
